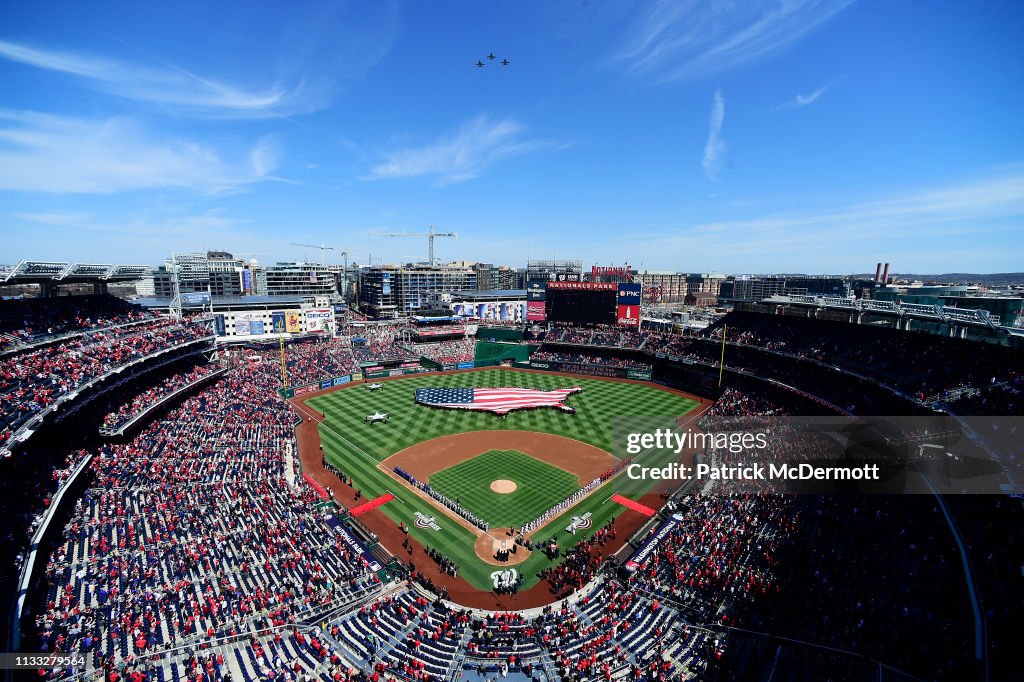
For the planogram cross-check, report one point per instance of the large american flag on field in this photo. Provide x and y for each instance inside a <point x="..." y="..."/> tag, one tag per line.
<point x="497" y="400"/>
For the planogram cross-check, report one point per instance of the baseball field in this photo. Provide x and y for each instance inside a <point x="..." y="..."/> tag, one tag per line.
<point x="505" y="470"/>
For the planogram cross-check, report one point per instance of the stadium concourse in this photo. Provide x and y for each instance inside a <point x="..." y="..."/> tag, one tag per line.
<point x="193" y="547"/>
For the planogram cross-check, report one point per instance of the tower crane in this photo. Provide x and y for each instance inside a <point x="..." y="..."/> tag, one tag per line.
<point x="314" y="246"/>
<point x="430" y="235"/>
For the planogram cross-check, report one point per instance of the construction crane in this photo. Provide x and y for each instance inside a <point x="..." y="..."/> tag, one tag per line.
<point x="429" y="235"/>
<point x="314" y="246"/>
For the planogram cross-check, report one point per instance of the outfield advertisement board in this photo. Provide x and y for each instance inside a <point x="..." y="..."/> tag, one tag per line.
<point x="195" y="298"/>
<point x="218" y="325"/>
<point x="338" y="381"/>
<point x="628" y="315"/>
<point x="320" y="321"/>
<point x="277" y="322"/>
<point x="256" y="327"/>
<point x="536" y="311"/>
<point x="464" y="365"/>
<point x="536" y="290"/>
<point x="513" y="311"/>
<point x="454" y="331"/>
<point x="629" y="294"/>
<point x="292" y="321"/>
<point x="590" y="370"/>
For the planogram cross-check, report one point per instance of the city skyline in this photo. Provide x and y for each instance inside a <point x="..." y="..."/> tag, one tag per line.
<point x="815" y="137"/>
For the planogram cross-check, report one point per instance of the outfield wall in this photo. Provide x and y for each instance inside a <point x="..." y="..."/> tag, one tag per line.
<point x="587" y="369"/>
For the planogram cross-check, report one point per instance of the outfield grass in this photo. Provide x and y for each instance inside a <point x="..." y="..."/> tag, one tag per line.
<point x="539" y="486"/>
<point x="357" y="447"/>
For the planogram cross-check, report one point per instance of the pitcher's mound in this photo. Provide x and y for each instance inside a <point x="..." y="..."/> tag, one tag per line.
<point x="503" y="486"/>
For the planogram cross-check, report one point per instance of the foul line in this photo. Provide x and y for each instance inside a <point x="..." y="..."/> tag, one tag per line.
<point x="323" y="422"/>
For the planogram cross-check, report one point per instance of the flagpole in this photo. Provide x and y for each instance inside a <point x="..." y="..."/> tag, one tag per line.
<point x="721" y="362"/>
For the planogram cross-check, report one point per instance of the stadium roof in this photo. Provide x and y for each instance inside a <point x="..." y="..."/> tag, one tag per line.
<point x="939" y="313"/>
<point x="231" y="301"/>
<point x="54" y="272"/>
<point x="484" y="294"/>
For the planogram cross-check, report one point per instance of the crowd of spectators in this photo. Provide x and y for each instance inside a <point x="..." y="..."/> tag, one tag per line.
<point x="196" y="529"/>
<point x="604" y="335"/>
<point x="30" y="320"/>
<point x="381" y="343"/>
<point x="149" y="397"/>
<point x="580" y="563"/>
<point x="315" y="360"/>
<point x="852" y="571"/>
<point x="919" y="363"/>
<point x="720" y="554"/>
<point x="564" y="332"/>
<point x="446" y="352"/>
<point x="32" y="380"/>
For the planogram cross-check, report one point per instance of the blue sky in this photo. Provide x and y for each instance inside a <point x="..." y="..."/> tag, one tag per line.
<point x="812" y="136"/>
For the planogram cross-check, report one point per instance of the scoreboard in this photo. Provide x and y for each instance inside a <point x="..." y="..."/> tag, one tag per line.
<point x="588" y="303"/>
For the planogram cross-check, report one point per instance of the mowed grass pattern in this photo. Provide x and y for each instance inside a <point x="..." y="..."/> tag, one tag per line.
<point x="540" y="486"/>
<point x="596" y="406"/>
<point x="357" y="447"/>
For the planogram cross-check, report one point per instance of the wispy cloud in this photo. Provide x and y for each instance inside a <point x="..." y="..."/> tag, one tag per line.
<point x="802" y="100"/>
<point x="53" y="218"/>
<point x="674" y="40"/>
<point x="46" y="153"/>
<point x="913" y="223"/>
<point x="167" y="226"/>
<point x="714" y="148"/>
<point x="461" y="155"/>
<point x="170" y="85"/>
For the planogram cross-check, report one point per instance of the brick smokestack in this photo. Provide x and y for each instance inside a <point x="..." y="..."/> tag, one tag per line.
<point x="885" y="274"/>
<point x="878" y="271"/>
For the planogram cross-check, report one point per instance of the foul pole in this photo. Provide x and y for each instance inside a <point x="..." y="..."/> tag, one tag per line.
<point x="721" y="361"/>
<point x="284" y="367"/>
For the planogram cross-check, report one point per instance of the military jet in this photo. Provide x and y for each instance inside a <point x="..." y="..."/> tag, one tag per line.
<point x="491" y="56"/>
<point x="377" y="417"/>
<point x="480" y="64"/>
<point x="375" y="387"/>
<point x="505" y="62"/>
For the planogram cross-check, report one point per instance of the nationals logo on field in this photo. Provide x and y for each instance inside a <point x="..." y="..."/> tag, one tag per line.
<point x="579" y="523"/>
<point x="505" y="579"/>
<point x="425" y="522"/>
